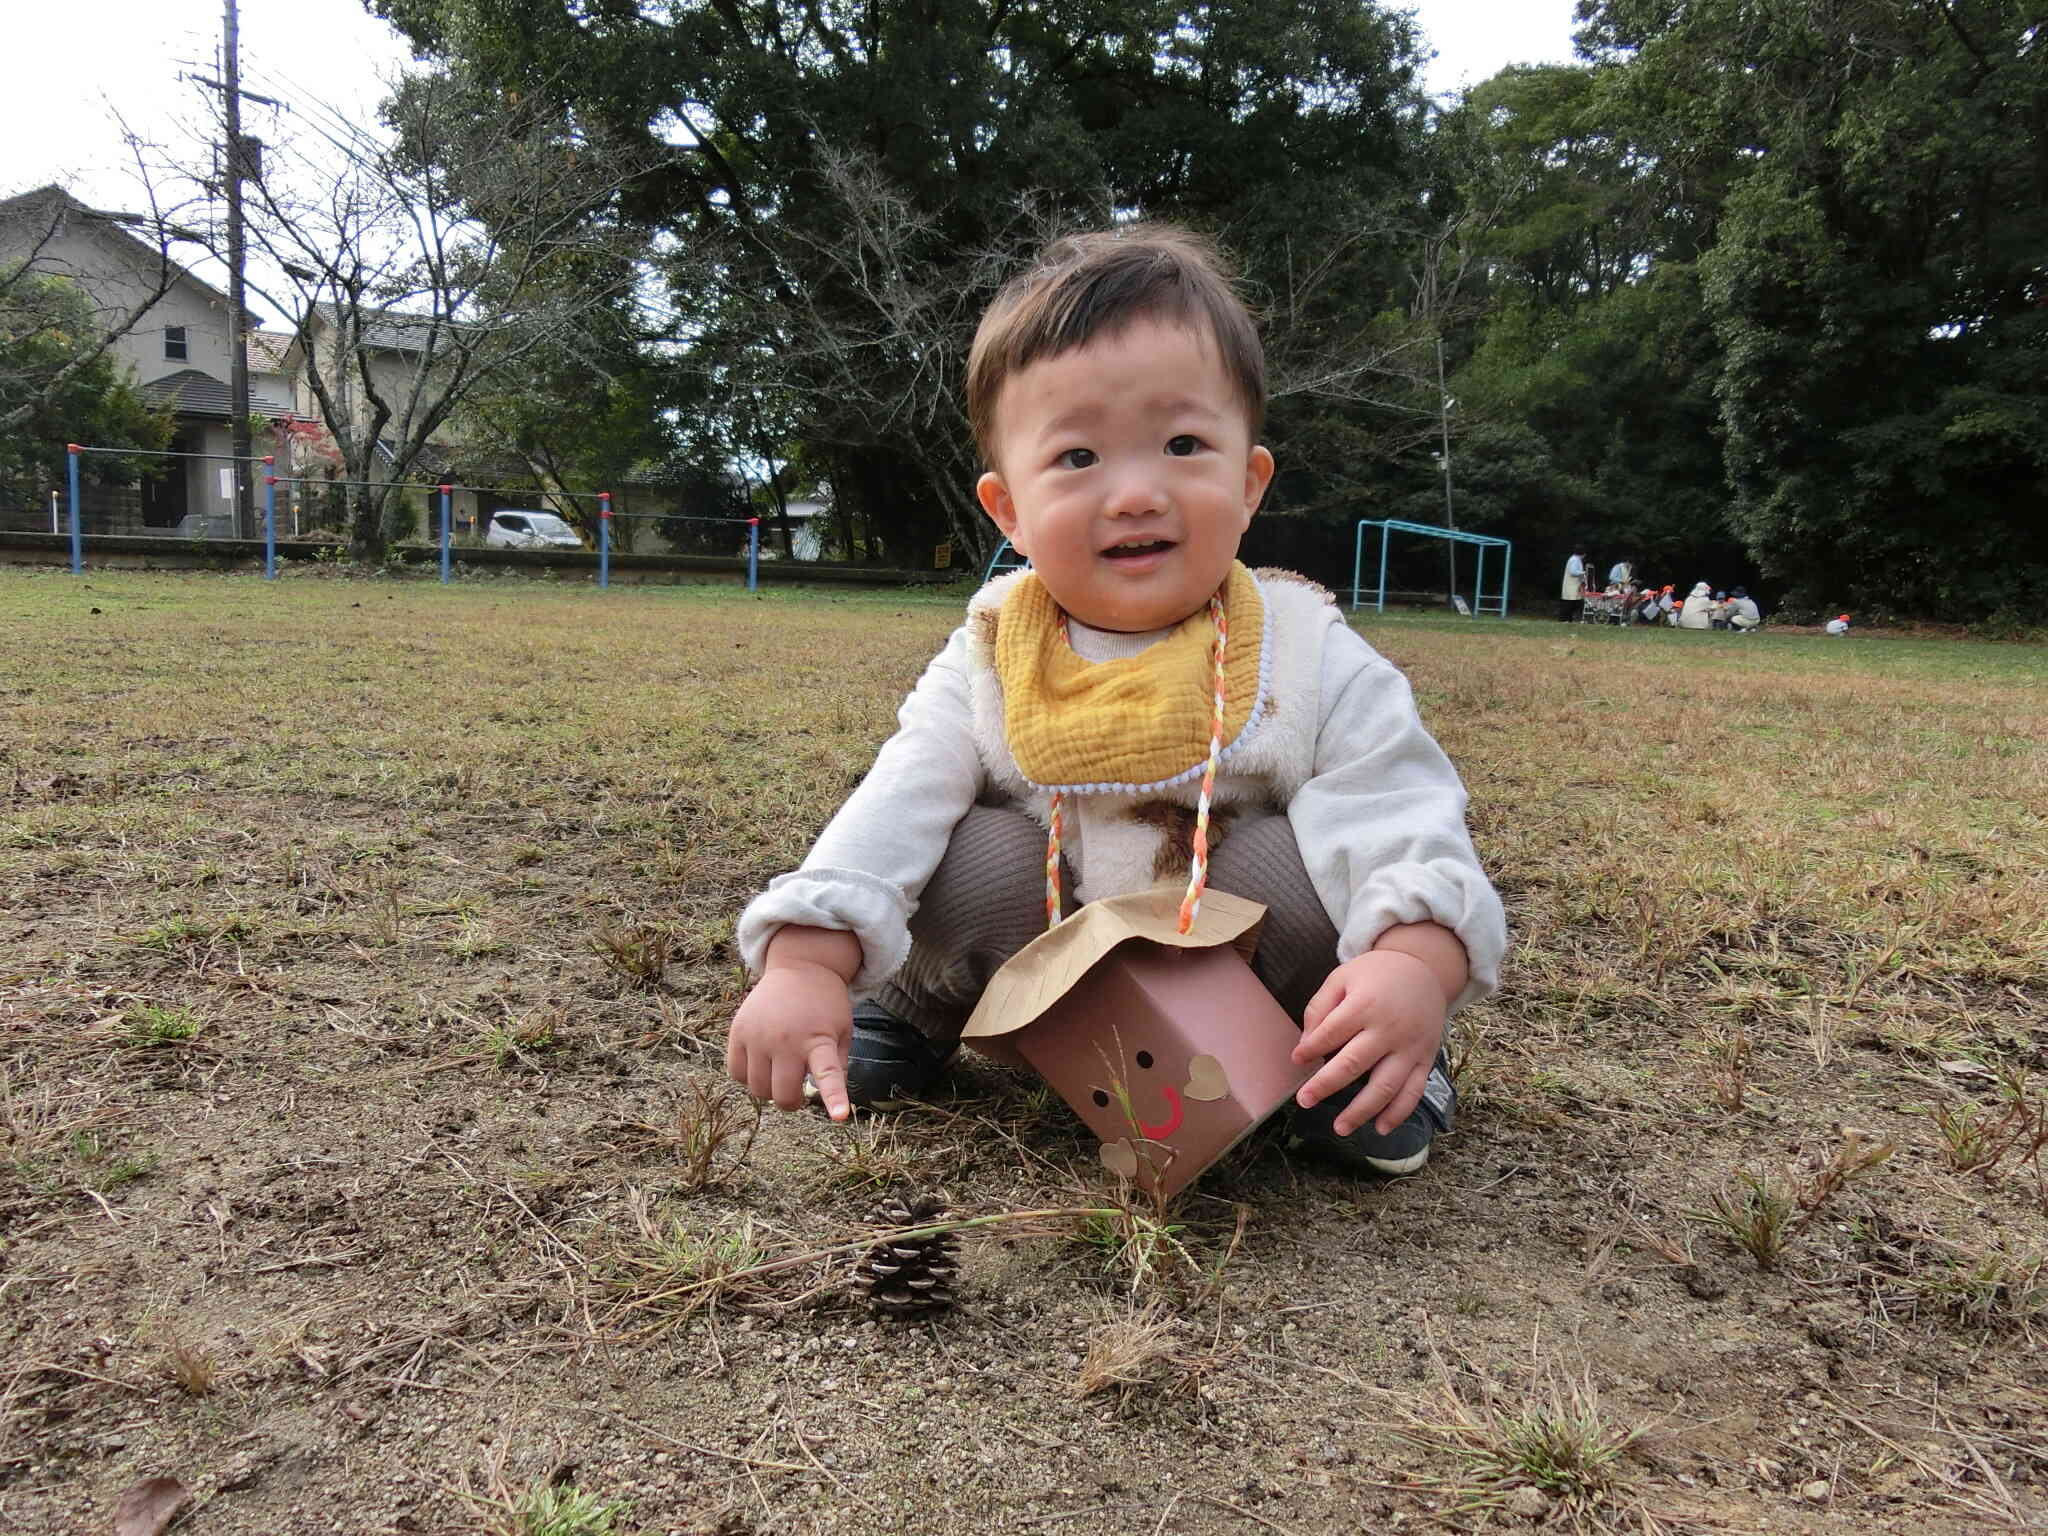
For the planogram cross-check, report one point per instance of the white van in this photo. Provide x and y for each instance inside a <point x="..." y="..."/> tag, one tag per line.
<point x="530" y="530"/>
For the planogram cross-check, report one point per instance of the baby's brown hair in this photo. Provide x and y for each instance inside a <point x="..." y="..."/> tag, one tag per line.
<point x="1085" y="286"/>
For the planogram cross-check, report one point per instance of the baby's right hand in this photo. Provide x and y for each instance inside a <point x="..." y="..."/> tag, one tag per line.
<point x="797" y="1019"/>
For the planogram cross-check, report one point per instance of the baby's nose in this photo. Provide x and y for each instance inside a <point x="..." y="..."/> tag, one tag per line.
<point x="1134" y="492"/>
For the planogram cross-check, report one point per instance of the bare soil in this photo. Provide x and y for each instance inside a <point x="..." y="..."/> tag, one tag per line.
<point x="366" y="1162"/>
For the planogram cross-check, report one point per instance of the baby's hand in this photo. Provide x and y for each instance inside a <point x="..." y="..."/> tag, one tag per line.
<point x="1380" y="1013"/>
<point x="797" y="1019"/>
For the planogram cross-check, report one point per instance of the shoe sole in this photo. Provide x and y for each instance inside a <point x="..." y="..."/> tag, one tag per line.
<point x="1394" y="1167"/>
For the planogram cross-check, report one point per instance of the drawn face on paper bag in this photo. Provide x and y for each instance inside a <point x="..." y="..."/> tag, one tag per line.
<point x="1149" y="1090"/>
<point x="1170" y="1056"/>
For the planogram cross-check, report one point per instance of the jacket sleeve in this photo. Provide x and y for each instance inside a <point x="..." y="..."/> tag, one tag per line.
<point x="1381" y="823"/>
<point x="870" y="864"/>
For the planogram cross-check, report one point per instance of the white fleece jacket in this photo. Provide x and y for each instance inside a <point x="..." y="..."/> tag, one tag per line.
<point x="1376" y="807"/>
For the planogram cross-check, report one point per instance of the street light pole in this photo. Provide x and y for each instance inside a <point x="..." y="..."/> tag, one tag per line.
<point x="1450" y="518"/>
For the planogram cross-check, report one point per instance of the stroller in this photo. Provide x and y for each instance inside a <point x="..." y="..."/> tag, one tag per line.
<point x="1604" y="608"/>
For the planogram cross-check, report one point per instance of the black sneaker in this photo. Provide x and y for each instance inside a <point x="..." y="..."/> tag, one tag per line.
<point x="888" y="1061"/>
<point x="1405" y="1149"/>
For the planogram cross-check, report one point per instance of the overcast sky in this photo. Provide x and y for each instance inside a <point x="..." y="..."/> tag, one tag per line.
<point x="74" y="66"/>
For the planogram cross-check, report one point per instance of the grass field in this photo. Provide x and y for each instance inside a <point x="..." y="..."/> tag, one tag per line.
<point x="366" y="1165"/>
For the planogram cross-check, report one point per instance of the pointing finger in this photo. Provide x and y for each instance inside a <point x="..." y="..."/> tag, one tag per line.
<point x="828" y="1071"/>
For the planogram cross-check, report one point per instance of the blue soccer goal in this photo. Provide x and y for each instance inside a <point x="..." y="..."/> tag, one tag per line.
<point x="1482" y="602"/>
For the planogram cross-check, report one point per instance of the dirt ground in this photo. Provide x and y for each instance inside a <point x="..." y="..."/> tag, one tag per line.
<point x="366" y="1163"/>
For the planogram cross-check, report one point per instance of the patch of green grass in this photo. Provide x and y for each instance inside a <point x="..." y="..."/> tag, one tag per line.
<point x="1140" y="1249"/>
<point x="1994" y="1289"/>
<point x="102" y="1170"/>
<point x="510" y="1040"/>
<point x="148" y="1026"/>
<point x="475" y="939"/>
<point x="174" y="932"/>
<point x="547" y="1510"/>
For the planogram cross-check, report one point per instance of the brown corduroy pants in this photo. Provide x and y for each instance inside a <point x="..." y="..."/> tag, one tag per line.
<point x="986" y="901"/>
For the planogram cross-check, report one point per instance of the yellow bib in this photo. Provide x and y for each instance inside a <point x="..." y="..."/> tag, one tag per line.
<point x="1137" y="723"/>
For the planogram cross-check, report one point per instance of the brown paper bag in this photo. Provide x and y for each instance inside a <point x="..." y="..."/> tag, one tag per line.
<point x="1164" y="1043"/>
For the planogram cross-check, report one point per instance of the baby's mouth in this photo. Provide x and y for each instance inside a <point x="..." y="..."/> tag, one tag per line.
<point x="1135" y="549"/>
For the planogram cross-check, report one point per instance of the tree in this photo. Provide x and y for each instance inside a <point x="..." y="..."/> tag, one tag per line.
<point x="1877" y="283"/>
<point x="59" y="384"/>
<point x="852" y="181"/>
<point x="438" y="263"/>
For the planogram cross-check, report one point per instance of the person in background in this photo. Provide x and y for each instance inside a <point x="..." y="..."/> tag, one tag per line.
<point x="1571" y="597"/>
<point x="1621" y="574"/>
<point x="1694" y="614"/>
<point x="1646" y="609"/>
<point x="1838" y="625"/>
<point x="1667" y="605"/>
<point x="1717" y="611"/>
<point x="1743" y="613"/>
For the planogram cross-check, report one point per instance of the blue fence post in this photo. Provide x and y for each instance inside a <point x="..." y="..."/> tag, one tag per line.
<point x="269" y="517"/>
<point x="444" y="533"/>
<point x="77" y="553"/>
<point x="604" y="539"/>
<point x="1507" y="565"/>
<point x="1381" y="605"/>
<point x="753" y="553"/>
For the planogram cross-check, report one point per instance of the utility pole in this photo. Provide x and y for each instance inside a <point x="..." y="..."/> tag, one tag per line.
<point x="238" y="341"/>
<point x="236" y="164"/>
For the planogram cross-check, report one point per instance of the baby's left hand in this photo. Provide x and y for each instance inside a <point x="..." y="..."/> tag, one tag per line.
<point x="1380" y="1013"/>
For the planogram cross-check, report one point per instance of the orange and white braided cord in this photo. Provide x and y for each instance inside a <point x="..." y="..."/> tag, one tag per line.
<point x="1198" y="873"/>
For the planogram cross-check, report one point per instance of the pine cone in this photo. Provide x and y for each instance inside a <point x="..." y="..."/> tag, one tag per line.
<point x="909" y="1278"/>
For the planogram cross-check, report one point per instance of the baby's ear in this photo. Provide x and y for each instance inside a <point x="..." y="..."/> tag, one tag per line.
<point x="995" y="500"/>
<point x="1258" y="474"/>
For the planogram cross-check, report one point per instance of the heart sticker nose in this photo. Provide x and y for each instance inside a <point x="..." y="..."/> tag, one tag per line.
<point x="1205" y="1078"/>
<point x="1118" y="1158"/>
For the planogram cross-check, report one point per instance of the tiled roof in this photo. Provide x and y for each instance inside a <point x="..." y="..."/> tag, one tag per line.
<point x="439" y="461"/>
<point x="267" y="350"/>
<point x="392" y="330"/>
<point x="194" y="393"/>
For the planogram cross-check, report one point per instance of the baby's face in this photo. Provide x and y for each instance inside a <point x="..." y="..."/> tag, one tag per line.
<point x="1125" y="470"/>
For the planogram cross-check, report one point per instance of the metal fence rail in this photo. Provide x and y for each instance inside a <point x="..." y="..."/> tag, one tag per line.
<point x="271" y="480"/>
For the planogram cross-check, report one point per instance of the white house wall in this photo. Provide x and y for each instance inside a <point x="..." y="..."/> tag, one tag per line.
<point x="116" y="277"/>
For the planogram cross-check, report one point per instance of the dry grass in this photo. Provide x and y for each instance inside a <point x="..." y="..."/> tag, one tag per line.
<point x="1762" y="1213"/>
<point x="366" y="949"/>
<point x="1549" y="1451"/>
<point x="709" y="1132"/>
<point x="1145" y="1352"/>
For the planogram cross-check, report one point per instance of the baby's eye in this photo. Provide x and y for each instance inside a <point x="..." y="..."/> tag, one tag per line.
<point x="1180" y="447"/>
<point x="1077" y="458"/>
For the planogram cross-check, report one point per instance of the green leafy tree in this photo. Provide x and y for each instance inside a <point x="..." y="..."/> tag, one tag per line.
<point x="850" y="183"/>
<point x="1876" y="284"/>
<point x="1588" y="381"/>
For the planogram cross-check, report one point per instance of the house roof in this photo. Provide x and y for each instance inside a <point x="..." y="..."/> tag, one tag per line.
<point x="193" y="393"/>
<point x="110" y="223"/>
<point x="390" y="329"/>
<point x="267" y="350"/>
<point x="436" y="462"/>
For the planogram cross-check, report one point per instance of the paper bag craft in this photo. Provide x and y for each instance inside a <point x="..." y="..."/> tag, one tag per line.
<point x="1164" y="1043"/>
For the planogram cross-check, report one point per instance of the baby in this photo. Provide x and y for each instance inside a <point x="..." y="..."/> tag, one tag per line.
<point x="1063" y="745"/>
